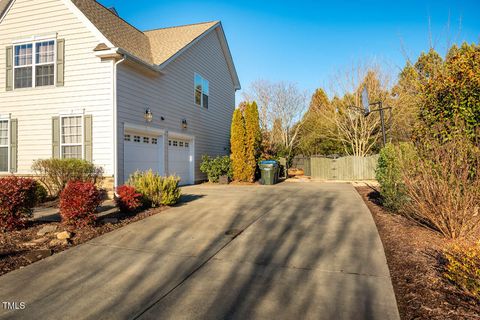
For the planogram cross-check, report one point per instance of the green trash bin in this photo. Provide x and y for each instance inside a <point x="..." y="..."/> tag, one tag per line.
<point x="269" y="172"/>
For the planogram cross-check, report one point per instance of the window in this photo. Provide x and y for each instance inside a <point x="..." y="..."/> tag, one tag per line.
<point x="201" y="91"/>
<point x="175" y="143"/>
<point x="180" y="144"/>
<point x="169" y="142"/>
<point x="154" y="141"/>
<point x="4" y="145"/>
<point x="136" y="138"/>
<point x="71" y="137"/>
<point x="146" y="140"/>
<point x="186" y="144"/>
<point x="127" y="137"/>
<point x="34" y="64"/>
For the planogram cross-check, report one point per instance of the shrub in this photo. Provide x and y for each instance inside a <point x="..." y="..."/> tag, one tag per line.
<point x="128" y="199"/>
<point x="155" y="189"/>
<point x="17" y="199"/>
<point x="41" y="194"/>
<point x="237" y="144"/>
<point x="56" y="173"/>
<point x="170" y="190"/>
<point x="462" y="268"/>
<point x="391" y="163"/>
<point x="253" y="139"/>
<point x="149" y="185"/>
<point x="78" y="202"/>
<point x="216" y="167"/>
<point x="443" y="186"/>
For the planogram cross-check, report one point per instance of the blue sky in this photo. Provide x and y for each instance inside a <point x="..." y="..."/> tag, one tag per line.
<point x="306" y="42"/>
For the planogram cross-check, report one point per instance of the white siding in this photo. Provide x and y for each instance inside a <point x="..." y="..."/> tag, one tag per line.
<point x="88" y="83"/>
<point x="171" y="95"/>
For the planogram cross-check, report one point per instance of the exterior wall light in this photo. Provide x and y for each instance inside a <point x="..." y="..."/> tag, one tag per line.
<point x="148" y="115"/>
<point x="184" y="124"/>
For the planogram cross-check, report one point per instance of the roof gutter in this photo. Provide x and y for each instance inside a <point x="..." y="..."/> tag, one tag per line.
<point x="133" y="58"/>
<point x="119" y="53"/>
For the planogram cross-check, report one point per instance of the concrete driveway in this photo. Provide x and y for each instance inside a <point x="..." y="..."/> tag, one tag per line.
<point x="290" y="251"/>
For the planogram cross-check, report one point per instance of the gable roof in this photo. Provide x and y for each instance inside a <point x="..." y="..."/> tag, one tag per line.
<point x="120" y="33"/>
<point x="154" y="47"/>
<point x="166" y="42"/>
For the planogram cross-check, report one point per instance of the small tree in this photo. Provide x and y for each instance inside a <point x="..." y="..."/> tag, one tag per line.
<point x="253" y="138"/>
<point x="237" y="144"/>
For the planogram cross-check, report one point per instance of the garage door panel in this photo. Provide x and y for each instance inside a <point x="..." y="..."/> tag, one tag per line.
<point x="142" y="153"/>
<point x="179" y="159"/>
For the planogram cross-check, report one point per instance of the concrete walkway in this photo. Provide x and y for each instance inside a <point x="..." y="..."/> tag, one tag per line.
<point x="290" y="251"/>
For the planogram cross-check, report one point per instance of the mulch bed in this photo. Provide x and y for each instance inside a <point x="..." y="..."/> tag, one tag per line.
<point x="23" y="247"/>
<point x="413" y="256"/>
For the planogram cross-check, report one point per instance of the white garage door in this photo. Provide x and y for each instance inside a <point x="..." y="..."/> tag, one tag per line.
<point x="179" y="159"/>
<point x="142" y="152"/>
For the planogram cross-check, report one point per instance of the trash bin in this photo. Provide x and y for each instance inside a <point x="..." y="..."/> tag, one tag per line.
<point x="269" y="171"/>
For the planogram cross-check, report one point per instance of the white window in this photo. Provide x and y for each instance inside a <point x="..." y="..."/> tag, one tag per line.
<point x="169" y="142"/>
<point x="180" y="144"/>
<point x="201" y="91"/>
<point x="127" y="137"/>
<point x="34" y="64"/>
<point x="4" y="145"/>
<point x="154" y="141"/>
<point x="175" y="143"/>
<point x="136" y="138"/>
<point x="146" y="140"/>
<point x="186" y="144"/>
<point x="71" y="137"/>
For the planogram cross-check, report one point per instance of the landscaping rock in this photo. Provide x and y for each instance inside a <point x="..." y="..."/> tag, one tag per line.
<point x="64" y="235"/>
<point x="110" y="220"/>
<point x="58" y="242"/>
<point x="38" y="255"/>
<point x="46" y="229"/>
<point x="40" y="240"/>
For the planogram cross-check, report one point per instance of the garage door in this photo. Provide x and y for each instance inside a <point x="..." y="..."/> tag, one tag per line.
<point x="179" y="159"/>
<point x="142" y="152"/>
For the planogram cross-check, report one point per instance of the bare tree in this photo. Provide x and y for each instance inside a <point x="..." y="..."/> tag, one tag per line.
<point x="344" y="121"/>
<point x="281" y="108"/>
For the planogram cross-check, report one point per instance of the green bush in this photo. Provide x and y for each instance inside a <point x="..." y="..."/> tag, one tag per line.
<point x="155" y="189"/>
<point x="391" y="163"/>
<point x="462" y="268"/>
<point x="54" y="174"/>
<point x="170" y="190"/>
<point x="41" y="193"/>
<point x="216" y="167"/>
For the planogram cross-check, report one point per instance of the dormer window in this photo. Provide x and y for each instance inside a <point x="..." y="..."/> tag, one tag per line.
<point x="34" y="64"/>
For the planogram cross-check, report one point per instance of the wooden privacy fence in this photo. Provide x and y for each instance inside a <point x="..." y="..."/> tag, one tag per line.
<point x="344" y="168"/>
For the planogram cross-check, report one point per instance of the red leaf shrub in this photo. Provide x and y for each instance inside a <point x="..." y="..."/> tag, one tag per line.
<point x="17" y="199"/>
<point x="128" y="199"/>
<point x="78" y="202"/>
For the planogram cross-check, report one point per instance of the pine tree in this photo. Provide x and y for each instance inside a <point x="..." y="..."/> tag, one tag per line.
<point x="253" y="138"/>
<point x="237" y="144"/>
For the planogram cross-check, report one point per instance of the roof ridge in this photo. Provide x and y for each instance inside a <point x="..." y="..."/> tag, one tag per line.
<point x="118" y="16"/>
<point x="181" y="26"/>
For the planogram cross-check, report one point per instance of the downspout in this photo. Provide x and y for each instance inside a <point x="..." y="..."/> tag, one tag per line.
<point x="115" y="126"/>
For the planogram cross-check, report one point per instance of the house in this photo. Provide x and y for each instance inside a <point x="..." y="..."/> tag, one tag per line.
<point x="78" y="81"/>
